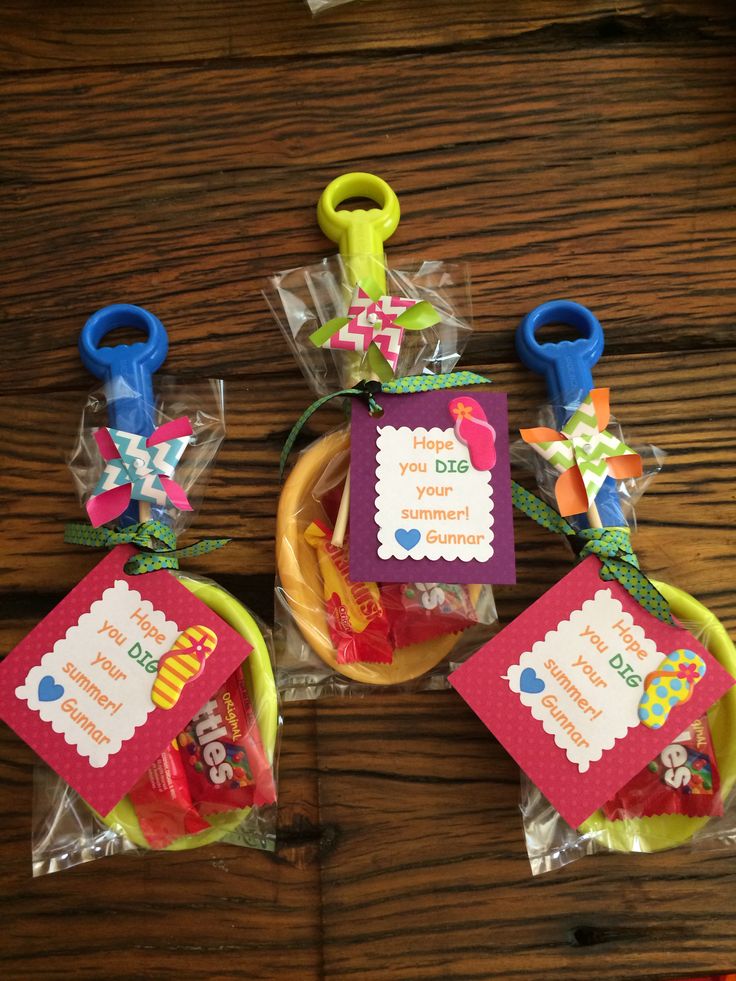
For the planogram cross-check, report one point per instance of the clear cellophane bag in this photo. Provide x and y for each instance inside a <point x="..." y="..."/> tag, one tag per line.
<point x="173" y="806"/>
<point x="334" y="636"/>
<point x="683" y="798"/>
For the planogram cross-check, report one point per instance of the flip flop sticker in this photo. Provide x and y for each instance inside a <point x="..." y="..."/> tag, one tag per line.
<point x="670" y="685"/>
<point x="182" y="664"/>
<point x="473" y="429"/>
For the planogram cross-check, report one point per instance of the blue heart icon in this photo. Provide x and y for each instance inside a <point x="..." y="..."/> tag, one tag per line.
<point x="530" y="683"/>
<point x="48" y="690"/>
<point x="408" y="538"/>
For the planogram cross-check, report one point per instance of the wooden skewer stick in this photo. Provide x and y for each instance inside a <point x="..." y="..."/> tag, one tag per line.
<point x="341" y="522"/>
<point x="594" y="518"/>
<point x="144" y="511"/>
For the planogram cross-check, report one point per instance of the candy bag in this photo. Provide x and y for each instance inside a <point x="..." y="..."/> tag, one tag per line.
<point x="353" y="321"/>
<point x="593" y="475"/>
<point x="140" y="458"/>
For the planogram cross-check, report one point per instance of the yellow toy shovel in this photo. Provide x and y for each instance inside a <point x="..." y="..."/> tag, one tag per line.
<point x="366" y="345"/>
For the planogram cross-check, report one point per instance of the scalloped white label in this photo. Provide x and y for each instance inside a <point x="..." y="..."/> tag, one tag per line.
<point x="431" y="502"/>
<point x="94" y="686"/>
<point x="584" y="681"/>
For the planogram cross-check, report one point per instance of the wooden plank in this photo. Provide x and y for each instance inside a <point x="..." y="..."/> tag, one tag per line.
<point x="216" y="911"/>
<point x="580" y="180"/>
<point x="430" y="877"/>
<point x="683" y="404"/>
<point x="41" y="34"/>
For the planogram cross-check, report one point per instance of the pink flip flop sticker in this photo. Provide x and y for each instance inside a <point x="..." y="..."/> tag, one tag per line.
<point x="474" y="431"/>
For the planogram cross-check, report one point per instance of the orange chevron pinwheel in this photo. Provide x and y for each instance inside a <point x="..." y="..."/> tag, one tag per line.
<point x="584" y="453"/>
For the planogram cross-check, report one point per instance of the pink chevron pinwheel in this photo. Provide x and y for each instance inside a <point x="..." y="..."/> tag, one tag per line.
<point x="373" y="322"/>
<point x="375" y="319"/>
<point x="139" y="468"/>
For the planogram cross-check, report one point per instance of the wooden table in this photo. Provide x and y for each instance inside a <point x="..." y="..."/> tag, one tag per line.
<point x="171" y="154"/>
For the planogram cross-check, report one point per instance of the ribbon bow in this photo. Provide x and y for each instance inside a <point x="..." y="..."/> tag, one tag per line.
<point x="585" y="453"/>
<point x="156" y="539"/>
<point x="376" y="323"/>
<point x="139" y="468"/>
<point x="612" y="546"/>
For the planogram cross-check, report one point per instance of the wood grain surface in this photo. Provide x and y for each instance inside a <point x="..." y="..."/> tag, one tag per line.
<point x="171" y="154"/>
<point x="42" y="34"/>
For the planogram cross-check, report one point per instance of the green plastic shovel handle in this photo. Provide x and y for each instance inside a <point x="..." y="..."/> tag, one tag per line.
<point x="360" y="234"/>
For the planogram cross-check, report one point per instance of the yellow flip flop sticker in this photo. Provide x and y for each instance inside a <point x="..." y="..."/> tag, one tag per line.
<point x="182" y="664"/>
<point x="671" y="684"/>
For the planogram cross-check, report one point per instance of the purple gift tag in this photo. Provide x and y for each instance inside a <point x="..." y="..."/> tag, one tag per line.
<point x="430" y="496"/>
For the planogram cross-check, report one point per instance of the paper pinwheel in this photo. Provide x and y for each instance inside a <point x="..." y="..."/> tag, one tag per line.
<point x="140" y="469"/>
<point x="376" y="323"/>
<point x="585" y="453"/>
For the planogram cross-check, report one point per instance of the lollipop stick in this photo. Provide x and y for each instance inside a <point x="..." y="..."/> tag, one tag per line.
<point x="341" y="522"/>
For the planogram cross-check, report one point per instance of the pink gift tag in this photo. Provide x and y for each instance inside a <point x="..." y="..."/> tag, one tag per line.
<point x="586" y="687"/>
<point x="83" y="689"/>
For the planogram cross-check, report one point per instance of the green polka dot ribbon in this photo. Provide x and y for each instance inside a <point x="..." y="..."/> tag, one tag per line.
<point x="612" y="546"/>
<point x="368" y="391"/>
<point x="156" y="541"/>
<point x="432" y="383"/>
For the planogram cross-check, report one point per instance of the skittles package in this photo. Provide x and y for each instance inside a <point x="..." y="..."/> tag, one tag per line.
<point x="683" y="779"/>
<point x="226" y="766"/>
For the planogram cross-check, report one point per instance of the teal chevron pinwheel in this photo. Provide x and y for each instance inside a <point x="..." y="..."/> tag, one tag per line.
<point x="584" y="453"/>
<point x="375" y="324"/>
<point x="139" y="468"/>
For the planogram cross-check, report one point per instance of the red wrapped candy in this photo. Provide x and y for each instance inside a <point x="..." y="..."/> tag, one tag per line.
<point x="356" y="619"/>
<point x="424" y="610"/>
<point x="163" y="802"/>
<point x="683" y="779"/>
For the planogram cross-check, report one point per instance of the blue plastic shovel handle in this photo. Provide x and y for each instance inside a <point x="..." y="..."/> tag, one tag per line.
<point x="567" y="367"/>
<point x="126" y="369"/>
